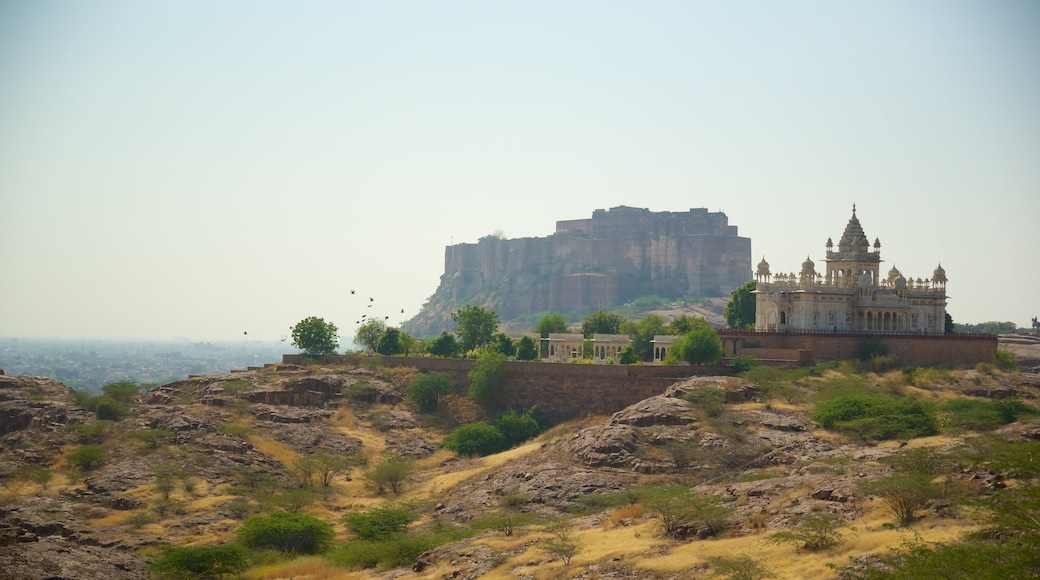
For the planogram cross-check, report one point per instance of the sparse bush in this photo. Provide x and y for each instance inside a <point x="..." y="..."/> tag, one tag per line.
<point x="390" y="474"/>
<point x="152" y="438"/>
<point x="742" y="567"/>
<point x="200" y="562"/>
<point x="139" y="519"/>
<point x="87" y="457"/>
<point x="287" y="532"/>
<point x="362" y="391"/>
<point x="479" y="438"/>
<point x="814" y="532"/>
<point x="563" y="549"/>
<point x="91" y="432"/>
<point x="682" y="453"/>
<point x="904" y="494"/>
<point x="506" y="521"/>
<point x="711" y="400"/>
<point x="688" y="513"/>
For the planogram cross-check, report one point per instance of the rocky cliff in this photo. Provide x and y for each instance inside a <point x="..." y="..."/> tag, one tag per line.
<point x="603" y="261"/>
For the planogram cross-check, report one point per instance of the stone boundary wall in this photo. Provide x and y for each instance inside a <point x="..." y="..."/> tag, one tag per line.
<point x="560" y="390"/>
<point x="940" y="350"/>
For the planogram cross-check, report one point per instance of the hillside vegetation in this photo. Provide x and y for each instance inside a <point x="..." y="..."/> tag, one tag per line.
<point x="333" y="472"/>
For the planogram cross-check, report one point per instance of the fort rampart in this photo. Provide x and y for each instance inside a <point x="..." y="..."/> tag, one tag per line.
<point x="940" y="350"/>
<point x="560" y="390"/>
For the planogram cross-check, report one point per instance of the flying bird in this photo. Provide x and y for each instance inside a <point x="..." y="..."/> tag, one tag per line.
<point x="244" y="332"/>
<point x="386" y="318"/>
<point x="402" y="311"/>
<point x="352" y="292"/>
<point x="370" y="299"/>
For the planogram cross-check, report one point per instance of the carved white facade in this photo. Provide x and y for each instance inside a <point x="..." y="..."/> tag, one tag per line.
<point x="851" y="296"/>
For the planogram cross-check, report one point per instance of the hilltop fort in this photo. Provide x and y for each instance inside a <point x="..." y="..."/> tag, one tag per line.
<point x="602" y="261"/>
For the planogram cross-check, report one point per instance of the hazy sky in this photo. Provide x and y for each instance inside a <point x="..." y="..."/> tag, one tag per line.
<point x="203" y="169"/>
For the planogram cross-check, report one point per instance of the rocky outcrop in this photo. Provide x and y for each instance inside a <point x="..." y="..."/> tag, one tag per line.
<point x="604" y="260"/>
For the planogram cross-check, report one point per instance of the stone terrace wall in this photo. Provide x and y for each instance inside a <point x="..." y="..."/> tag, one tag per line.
<point x="560" y="390"/>
<point x="943" y="350"/>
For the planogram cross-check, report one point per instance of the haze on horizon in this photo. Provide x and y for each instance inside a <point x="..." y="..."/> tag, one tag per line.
<point x="204" y="170"/>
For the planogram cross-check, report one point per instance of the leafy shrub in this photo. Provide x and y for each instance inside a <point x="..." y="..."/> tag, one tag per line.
<point x="395" y="551"/>
<point x="563" y="549"/>
<point x="983" y="415"/>
<point x="517" y="427"/>
<point x="875" y="418"/>
<point x="200" y="562"/>
<point x="481" y="438"/>
<point x="379" y="523"/>
<point x="987" y="559"/>
<point x="428" y="388"/>
<point x="1006" y="360"/>
<point x="287" y="532"/>
<point x="486" y="377"/>
<point x="88" y="457"/>
<point x="743" y="362"/>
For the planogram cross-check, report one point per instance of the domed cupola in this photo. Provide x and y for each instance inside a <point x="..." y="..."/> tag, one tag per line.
<point x="763" y="267"/>
<point x="866" y="279"/>
<point x="900" y="282"/>
<point x="808" y="267"/>
<point x="939" y="275"/>
<point x="893" y="273"/>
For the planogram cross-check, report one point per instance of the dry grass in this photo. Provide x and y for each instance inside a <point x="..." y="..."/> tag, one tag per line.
<point x="628" y="512"/>
<point x="310" y="567"/>
<point x="280" y="452"/>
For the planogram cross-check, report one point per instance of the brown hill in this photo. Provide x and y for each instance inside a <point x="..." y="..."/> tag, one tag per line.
<point x="194" y="458"/>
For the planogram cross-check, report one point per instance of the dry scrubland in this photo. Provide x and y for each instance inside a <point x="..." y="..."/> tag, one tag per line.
<point x="186" y="464"/>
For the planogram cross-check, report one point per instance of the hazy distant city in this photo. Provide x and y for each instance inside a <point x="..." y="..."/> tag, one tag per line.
<point x="89" y="364"/>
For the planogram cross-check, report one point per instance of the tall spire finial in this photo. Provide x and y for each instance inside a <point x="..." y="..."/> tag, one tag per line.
<point x="853" y="208"/>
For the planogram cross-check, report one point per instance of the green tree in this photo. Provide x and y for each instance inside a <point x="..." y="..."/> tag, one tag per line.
<point x="681" y="325"/>
<point x="948" y="325"/>
<point x="503" y="343"/>
<point x="368" y="334"/>
<point x="315" y="336"/>
<point x="389" y="343"/>
<point x="642" y="333"/>
<point x="628" y="356"/>
<point x="518" y="427"/>
<point x="427" y="389"/>
<point x="407" y="342"/>
<point x="292" y="533"/>
<point x="700" y="346"/>
<point x="444" y="345"/>
<point x="486" y="377"/>
<point x="551" y="323"/>
<point x="740" y="312"/>
<point x="526" y="349"/>
<point x="601" y="322"/>
<point x="474" y="326"/>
